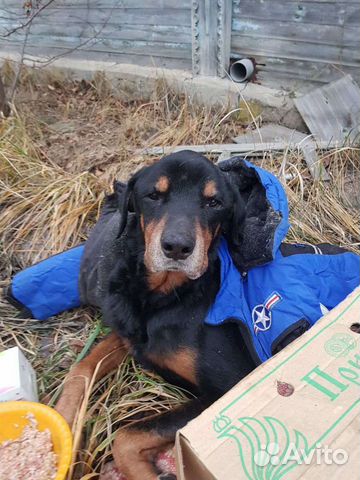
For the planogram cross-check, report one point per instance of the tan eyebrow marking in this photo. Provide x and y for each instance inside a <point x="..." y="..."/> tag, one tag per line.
<point x="210" y="189"/>
<point x="142" y="223"/>
<point x="162" y="185"/>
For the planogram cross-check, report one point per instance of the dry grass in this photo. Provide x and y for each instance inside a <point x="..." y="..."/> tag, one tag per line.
<point x="322" y="212"/>
<point x="58" y="156"/>
<point x="46" y="207"/>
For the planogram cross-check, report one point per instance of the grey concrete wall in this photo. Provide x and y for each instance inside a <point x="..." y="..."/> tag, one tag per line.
<point x="136" y="82"/>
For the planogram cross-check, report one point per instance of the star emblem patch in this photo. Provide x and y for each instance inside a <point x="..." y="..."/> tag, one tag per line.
<point x="261" y="314"/>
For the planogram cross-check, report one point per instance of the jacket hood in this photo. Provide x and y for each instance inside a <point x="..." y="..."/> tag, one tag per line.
<point x="266" y="220"/>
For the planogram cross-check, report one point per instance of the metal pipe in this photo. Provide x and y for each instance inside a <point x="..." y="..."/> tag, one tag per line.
<point x="242" y="70"/>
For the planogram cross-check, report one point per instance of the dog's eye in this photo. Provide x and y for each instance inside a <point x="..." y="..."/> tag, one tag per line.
<point x="213" y="203"/>
<point x="153" y="196"/>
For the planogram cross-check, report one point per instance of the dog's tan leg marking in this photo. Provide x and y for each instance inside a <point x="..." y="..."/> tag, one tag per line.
<point x="134" y="453"/>
<point x="103" y="358"/>
<point x="182" y="362"/>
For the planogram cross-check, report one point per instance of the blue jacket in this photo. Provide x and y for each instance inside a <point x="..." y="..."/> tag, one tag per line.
<point x="269" y="295"/>
<point x="284" y="294"/>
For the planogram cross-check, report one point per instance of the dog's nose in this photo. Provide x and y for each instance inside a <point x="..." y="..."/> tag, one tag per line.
<point x="177" y="247"/>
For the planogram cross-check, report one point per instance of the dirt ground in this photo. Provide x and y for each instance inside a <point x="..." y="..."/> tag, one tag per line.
<point x="58" y="155"/>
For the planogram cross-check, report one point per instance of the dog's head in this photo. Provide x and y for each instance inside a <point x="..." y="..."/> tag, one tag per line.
<point x="183" y="203"/>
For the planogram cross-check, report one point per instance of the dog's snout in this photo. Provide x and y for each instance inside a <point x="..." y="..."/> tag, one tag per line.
<point x="177" y="246"/>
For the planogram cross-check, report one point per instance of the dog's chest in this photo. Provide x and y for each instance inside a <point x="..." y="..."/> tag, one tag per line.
<point x="171" y="329"/>
<point x="172" y="339"/>
<point x="170" y="351"/>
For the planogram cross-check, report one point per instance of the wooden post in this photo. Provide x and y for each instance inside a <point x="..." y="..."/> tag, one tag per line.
<point x="224" y="36"/>
<point x="211" y="36"/>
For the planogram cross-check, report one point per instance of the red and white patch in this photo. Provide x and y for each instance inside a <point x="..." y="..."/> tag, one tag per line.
<point x="272" y="301"/>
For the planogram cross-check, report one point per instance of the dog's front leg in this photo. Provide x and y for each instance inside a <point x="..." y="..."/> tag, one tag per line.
<point x="103" y="358"/>
<point x="135" y="448"/>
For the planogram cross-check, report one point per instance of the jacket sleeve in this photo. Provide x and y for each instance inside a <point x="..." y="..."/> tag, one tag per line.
<point x="48" y="287"/>
<point x="336" y="277"/>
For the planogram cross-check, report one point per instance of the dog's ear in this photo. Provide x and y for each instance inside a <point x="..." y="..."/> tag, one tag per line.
<point x="235" y="226"/>
<point x="126" y="202"/>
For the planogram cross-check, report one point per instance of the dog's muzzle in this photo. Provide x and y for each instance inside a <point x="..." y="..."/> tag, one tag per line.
<point x="167" y="250"/>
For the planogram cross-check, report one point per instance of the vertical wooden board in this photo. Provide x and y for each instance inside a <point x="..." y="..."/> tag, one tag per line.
<point x="211" y="36"/>
<point x="204" y="27"/>
<point x="224" y="17"/>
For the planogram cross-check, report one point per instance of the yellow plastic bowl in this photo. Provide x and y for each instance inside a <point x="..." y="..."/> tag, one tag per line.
<point x="13" y="420"/>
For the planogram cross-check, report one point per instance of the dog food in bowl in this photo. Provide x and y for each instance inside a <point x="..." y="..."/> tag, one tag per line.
<point x="30" y="456"/>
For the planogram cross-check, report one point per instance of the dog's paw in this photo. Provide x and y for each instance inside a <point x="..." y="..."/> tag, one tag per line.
<point x="165" y="462"/>
<point x="167" y="476"/>
<point x="110" y="472"/>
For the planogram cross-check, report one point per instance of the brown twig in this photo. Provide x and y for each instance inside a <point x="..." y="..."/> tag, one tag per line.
<point x="20" y="64"/>
<point x="31" y="18"/>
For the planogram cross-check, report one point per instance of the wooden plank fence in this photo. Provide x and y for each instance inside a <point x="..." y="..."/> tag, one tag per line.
<point x="292" y="42"/>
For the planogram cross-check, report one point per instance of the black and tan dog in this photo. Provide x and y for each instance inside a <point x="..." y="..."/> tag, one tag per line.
<point x="160" y="290"/>
<point x="158" y="276"/>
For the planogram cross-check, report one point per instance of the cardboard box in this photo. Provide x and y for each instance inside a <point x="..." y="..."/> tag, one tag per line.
<point x="17" y="377"/>
<point x="296" y="416"/>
